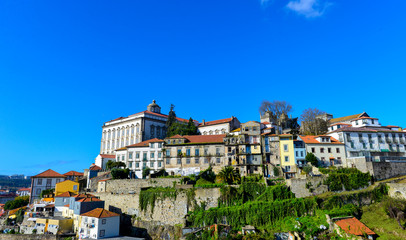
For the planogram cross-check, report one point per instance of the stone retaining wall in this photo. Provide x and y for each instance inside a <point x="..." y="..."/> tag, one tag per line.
<point x="298" y="186"/>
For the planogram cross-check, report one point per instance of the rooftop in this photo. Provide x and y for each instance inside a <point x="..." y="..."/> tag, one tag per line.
<point x="312" y="140"/>
<point x="354" y="226"/>
<point x="66" y="194"/>
<point x="220" y="121"/>
<point x="100" y="213"/>
<point x="348" y="118"/>
<point x="73" y="173"/>
<point x="49" y="174"/>
<point x="201" y="138"/>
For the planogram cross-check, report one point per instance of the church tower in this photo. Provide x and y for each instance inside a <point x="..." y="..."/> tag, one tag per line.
<point x="153" y="107"/>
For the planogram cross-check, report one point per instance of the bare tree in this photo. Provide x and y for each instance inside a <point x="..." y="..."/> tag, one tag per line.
<point x="312" y="122"/>
<point x="275" y="109"/>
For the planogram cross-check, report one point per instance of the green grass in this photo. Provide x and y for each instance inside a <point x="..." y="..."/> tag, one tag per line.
<point x="377" y="220"/>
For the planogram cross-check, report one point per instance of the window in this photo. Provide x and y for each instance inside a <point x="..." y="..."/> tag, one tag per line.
<point x="197" y="160"/>
<point x="285" y="147"/>
<point x="217" y="151"/>
<point x="302" y="154"/>
<point x="188" y="152"/>
<point x="159" y="154"/>
<point x="152" y="155"/>
<point x="179" y="161"/>
<point x="179" y="151"/>
<point x="49" y="181"/>
<point x="58" y="180"/>
<point x="122" y="157"/>
<point x="297" y="153"/>
<point x="144" y="155"/>
<point x="206" y="160"/>
<point x="329" y="150"/>
<point x="322" y="150"/>
<point x="206" y="151"/>
<point x="286" y="158"/>
<point x="168" y="161"/>
<point x="313" y="150"/>
<point x="151" y="164"/>
<point x="102" y="232"/>
<point x="159" y="164"/>
<point x="322" y="159"/>
<point x="103" y="221"/>
<point x="137" y="155"/>
<point x="131" y="165"/>
<point x="168" y="152"/>
<point x="337" y="150"/>
<point x="373" y="121"/>
<point x="38" y="191"/>
<point x="196" y="152"/>
<point x="218" y="160"/>
<point x="152" y="145"/>
<point x="187" y="160"/>
<point x="75" y="187"/>
<point x="130" y="155"/>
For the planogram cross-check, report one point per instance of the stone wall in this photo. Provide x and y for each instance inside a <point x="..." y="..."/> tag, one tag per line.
<point x="380" y="170"/>
<point x="28" y="236"/>
<point x="120" y="186"/>
<point x="93" y="182"/>
<point x="397" y="190"/>
<point x="298" y="186"/>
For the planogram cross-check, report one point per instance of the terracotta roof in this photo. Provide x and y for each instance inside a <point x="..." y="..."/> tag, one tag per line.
<point x="346" y="118"/>
<point x="95" y="168"/>
<point x="146" y="143"/>
<point x="152" y="113"/>
<point x="83" y="195"/>
<point x="203" y="138"/>
<point x="226" y="120"/>
<point x="50" y="206"/>
<point x="103" y="180"/>
<point x="354" y="226"/>
<point x="177" y="136"/>
<point x="340" y="124"/>
<point x="365" y="129"/>
<point x="364" y="118"/>
<point x="24" y="189"/>
<point x="107" y="156"/>
<point x="89" y="199"/>
<point x="266" y="123"/>
<point x="11" y="212"/>
<point x="100" y="213"/>
<point x="67" y="205"/>
<point x="73" y="173"/>
<point x="49" y="174"/>
<point x="392" y="126"/>
<point x="66" y="194"/>
<point x="312" y="140"/>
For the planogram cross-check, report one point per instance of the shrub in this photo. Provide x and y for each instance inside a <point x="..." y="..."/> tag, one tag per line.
<point x="17" y="202"/>
<point x="117" y="173"/>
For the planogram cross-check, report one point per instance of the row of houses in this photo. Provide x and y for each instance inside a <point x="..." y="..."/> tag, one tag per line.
<point x="251" y="147"/>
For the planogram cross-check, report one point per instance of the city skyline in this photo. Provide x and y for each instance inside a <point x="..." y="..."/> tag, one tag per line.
<point x="66" y="68"/>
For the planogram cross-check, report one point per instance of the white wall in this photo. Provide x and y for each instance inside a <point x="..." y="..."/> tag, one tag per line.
<point x="111" y="227"/>
<point x="211" y="129"/>
<point x="38" y="188"/>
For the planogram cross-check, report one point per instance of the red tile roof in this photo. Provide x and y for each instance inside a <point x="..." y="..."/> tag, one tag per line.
<point x="364" y="118"/>
<point x="202" y="138"/>
<point x="73" y="173"/>
<point x="89" y="199"/>
<point x="49" y="174"/>
<point x="354" y="226"/>
<point x="66" y="194"/>
<point x="107" y="156"/>
<point x="145" y="143"/>
<point x="152" y="113"/>
<point x="312" y="140"/>
<point x="100" y="213"/>
<point x="83" y="195"/>
<point x="24" y="189"/>
<point x="226" y="120"/>
<point x="95" y="168"/>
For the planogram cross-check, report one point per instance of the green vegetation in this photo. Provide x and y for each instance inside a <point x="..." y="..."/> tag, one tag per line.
<point x="174" y="127"/>
<point x="229" y="175"/>
<point x="17" y="202"/>
<point x="118" y="173"/>
<point x="14" y="184"/>
<point x="150" y="195"/>
<point x="112" y="164"/>
<point x="311" y="158"/>
<point x="46" y="192"/>
<point x="145" y="172"/>
<point x="349" y="178"/>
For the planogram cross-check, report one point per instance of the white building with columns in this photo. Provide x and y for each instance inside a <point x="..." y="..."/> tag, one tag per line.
<point x="217" y="127"/>
<point x="142" y="126"/>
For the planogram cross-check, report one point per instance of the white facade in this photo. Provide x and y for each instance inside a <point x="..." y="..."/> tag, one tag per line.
<point x="38" y="184"/>
<point x="99" y="228"/>
<point x="102" y="159"/>
<point x="217" y="127"/>
<point x="142" y="155"/>
<point x="133" y="129"/>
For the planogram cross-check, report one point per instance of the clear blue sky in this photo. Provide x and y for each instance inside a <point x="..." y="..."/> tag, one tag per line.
<point x="68" y="66"/>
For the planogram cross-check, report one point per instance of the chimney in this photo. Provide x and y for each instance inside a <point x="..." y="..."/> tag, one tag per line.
<point x="203" y="122"/>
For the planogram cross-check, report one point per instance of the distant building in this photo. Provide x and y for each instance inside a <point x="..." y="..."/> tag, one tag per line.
<point x="287" y="153"/>
<point x="99" y="223"/>
<point x="142" y="155"/>
<point x="45" y="180"/>
<point x="23" y="192"/>
<point x="142" y="126"/>
<point x="102" y="159"/>
<point x="217" y="127"/>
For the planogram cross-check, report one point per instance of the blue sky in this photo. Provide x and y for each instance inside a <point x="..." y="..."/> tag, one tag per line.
<point x="68" y="66"/>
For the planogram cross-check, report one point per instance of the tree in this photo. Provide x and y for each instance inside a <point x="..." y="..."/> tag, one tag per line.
<point x="229" y="175"/>
<point x="191" y="127"/>
<point x="117" y="173"/>
<point x="312" y="122"/>
<point x="307" y="169"/>
<point x="311" y="158"/>
<point x="111" y="164"/>
<point x="17" y="202"/>
<point x="208" y="175"/>
<point x="275" y="109"/>
<point x="145" y="172"/>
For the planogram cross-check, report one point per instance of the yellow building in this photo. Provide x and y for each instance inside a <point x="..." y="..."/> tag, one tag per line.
<point x="287" y="153"/>
<point x="55" y="225"/>
<point x="66" y="186"/>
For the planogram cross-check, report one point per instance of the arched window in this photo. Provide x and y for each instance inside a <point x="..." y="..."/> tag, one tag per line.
<point x="109" y="135"/>
<point x="138" y="128"/>
<point x="118" y="132"/>
<point x="223" y="131"/>
<point x="114" y="133"/>
<point x="104" y="135"/>
<point x="217" y="132"/>
<point x="158" y="131"/>
<point x="152" y="131"/>
<point x="132" y="129"/>
<point x="122" y="131"/>
<point x="128" y="131"/>
<point x="210" y="132"/>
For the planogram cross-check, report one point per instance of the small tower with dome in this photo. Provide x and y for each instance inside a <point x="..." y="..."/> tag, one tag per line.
<point x="153" y="107"/>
